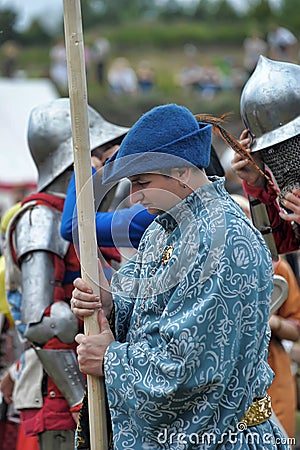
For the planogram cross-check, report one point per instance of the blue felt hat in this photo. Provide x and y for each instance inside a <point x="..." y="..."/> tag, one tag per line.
<point x="165" y="137"/>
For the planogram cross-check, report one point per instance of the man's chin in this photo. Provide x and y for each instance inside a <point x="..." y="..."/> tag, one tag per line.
<point x="154" y="211"/>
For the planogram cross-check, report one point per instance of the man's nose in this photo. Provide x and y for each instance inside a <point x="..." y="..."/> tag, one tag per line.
<point x="136" y="195"/>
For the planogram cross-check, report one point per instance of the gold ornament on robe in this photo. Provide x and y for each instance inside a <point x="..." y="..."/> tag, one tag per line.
<point x="167" y="253"/>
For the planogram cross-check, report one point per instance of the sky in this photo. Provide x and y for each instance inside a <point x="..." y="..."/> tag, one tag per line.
<point x="52" y="10"/>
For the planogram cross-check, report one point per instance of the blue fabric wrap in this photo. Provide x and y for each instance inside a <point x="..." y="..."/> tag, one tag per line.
<point x="120" y="228"/>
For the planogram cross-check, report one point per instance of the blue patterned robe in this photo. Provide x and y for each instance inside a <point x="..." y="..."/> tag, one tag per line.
<point x="192" y="331"/>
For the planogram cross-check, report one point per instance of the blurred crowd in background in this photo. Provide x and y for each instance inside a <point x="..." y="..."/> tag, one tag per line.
<point x="120" y="76"/>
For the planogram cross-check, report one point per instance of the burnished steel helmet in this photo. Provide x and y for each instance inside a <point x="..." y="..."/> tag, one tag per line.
<point x="270" y="103"/>
<point x="50" y="137"/>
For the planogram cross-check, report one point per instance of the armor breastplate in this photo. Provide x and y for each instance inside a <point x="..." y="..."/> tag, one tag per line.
<point x="36" y="234"/>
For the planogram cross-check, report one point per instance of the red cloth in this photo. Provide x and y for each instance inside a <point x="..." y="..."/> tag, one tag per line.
<point x="26" y="443"/>
<point x="12" y="437"/>
<point x="54" y="415"/>
<point x="283" y="233"/>
<point x="43" y="198"/>
<point x="110" y="253"/>
<point x="8" y="435"/>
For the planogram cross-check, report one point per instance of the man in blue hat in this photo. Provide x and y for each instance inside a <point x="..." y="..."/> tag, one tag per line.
<point x="187" y="366"/>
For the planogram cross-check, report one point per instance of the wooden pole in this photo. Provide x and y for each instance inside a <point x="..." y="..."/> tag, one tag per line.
<point x="85" y="202"/>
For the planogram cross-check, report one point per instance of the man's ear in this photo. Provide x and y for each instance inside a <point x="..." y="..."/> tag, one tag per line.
<point x="183" y="173"/>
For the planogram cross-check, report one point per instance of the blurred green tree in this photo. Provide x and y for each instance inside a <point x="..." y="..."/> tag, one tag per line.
<point x="171" y="10"/>
<point x="288" y="14"/>
<point x="113" y="12"/>
<point x="224" y="10"/>
<point x="261" y="12"/>
<point x="36" y="33"/>
<point x="8" y="19"/>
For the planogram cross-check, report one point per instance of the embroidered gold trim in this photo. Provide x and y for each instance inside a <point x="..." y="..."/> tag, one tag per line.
<point x="259" y="411"/>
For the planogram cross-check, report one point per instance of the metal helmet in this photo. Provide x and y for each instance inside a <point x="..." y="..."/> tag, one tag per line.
<point x="270" y="103"/>
<point x="50" y="137"/>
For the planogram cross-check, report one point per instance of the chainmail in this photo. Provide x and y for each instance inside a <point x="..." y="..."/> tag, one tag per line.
<point x="284" y="162"/>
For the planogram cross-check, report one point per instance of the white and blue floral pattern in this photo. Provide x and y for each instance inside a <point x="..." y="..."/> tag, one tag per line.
<point x="192" y="334"/>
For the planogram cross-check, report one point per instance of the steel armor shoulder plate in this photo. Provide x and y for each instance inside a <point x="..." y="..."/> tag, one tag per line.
<point x="39" y="229"/>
